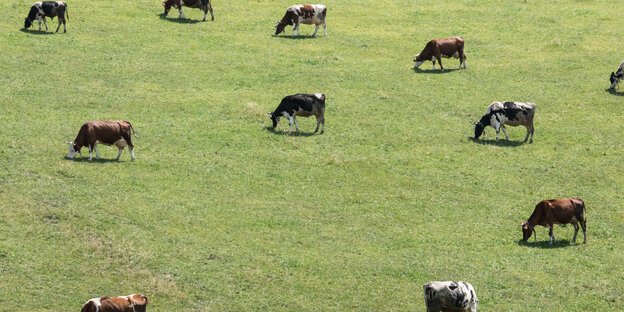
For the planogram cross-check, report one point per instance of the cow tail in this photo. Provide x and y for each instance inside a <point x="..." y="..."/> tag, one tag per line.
<point x="132" y="128"/>
<point x="66" y="11"/>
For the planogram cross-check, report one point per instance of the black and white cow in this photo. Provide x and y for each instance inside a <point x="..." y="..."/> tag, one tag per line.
<point x="304" y="105"/>
<point x="303" y="14"/>
<point x="41" y="10"/>
<point x="617" y="76"/>
<point x="499" y="114"/>
<point x="450" y="296"/>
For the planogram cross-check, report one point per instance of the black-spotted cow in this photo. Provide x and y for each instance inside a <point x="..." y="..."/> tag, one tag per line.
<point x="499" y="114"/>
<point x="303" y="14"/>
<point x="41" y="10"/>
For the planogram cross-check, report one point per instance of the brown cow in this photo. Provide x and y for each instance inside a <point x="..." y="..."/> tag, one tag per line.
<point x="130" y="303"/>
<point x="561" y="211"/>
<point x="203" y="5"/>
<point x="303" y="14"/>
<point x="438" y="48"/>
<point x="105" y="132"/>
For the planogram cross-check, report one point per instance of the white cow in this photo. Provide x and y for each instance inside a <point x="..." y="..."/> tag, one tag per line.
<point x="450" y="296"/>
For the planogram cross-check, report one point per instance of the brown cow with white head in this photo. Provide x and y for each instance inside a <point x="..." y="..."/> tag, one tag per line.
<point x="102" y="132"/>
<point x="130" y="303"/>
<point x="561" y="211"/>
<point x="436" y="49"/>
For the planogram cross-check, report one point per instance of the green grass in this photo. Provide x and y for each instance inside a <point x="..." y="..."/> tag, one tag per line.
<point x="220" y="214"/>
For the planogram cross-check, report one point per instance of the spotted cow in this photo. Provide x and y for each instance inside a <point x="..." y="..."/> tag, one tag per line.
<point x="303" y="14"/>
<point x="130" y="303"/>
<point x="41" y="10"/>
<point x="303" y="105"/>
<point x="499" y="114"/>
<point x="450" y="296"/>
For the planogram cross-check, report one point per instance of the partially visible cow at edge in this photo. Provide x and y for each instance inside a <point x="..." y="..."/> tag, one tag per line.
<point x="303" y="14"/>
<point x="617" y="76"/>
<point x="304" y="105"/>
<point x="203" y="5"/>
<point x="436" y="49"/>
<point x="561" y="211"/>
<point x="41" y="10"/>
<point x="102" y="132"/>
<point x="130" y="303"/>
<point x="450" y="296"/>
<point x="499" y="114"/>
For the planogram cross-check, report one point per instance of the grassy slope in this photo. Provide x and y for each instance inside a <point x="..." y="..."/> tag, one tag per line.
<point x="218" y="213"/>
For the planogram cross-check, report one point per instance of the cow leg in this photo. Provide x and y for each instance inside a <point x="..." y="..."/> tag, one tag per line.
<point x="296" y="126"/>
<point x="290" y="122"/>
<point x="551" y="234"/>
<point x="132" y="153"/>
<point x="298" y="27"/>
<point x="211" y="14"/>
<point x="44" y="23"/>
<point x="97" y="155"/>
<point x="497" y="131"/>
<point x="39" y="20"/>
<point x="323" y="125"/>
<point x="584" y="227"/>
<point x="315" y="29"/>
<point x="325" y="28"/>
<point x="64" y="25"/>
<point x="433" y="65"/>
<point x="318" y="123"/>
<point x="576" y="228"/>
<point x="59" y="24"/>
<point x="90" y="152"/>
<point x="294" y="28"/>
<point x="119" y="154"/>
<point x="505" y="130"/>
<point x="527" y="135"/>
<point x="181" y="14"/>
<point x="532" y="131"/>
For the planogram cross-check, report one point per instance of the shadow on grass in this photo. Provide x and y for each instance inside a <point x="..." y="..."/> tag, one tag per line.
<point x="612" y="91"/>
<point x="545" y="245"/>
<point x="303" y="37"/>
<point x="179" y="20"/>
<point x="434" y="71"/>
<point x="37" y="32"/>
<point x="294" y="133"/>
<point x="504" y="143"/>
<point x="100" y="161"/>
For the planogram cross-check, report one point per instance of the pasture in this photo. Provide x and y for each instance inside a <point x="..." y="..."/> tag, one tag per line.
<point x="220" y="213"/>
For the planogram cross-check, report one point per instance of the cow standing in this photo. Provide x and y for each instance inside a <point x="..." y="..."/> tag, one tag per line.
<point x="103" y="132"/>
<point x="436" y="49"/>
<point x="450" y="296"/>
<point x="561" y="211"/>
<point x="203" y="5"/>
<point x="41" y="10"/>
<point x="304" y="105"/>
<point x="130" y="303"/>
<point x="303" y="14"/>
<point x="499" y="114"/>
<point x="617" y="76"/>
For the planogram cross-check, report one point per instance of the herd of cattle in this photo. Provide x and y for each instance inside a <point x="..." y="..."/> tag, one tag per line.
<point x="439" y="296"/>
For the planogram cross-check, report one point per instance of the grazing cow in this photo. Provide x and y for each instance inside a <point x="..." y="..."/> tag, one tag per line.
<point x="130" y="303"/>
<point x="499" y="114"/>
<point x="450" y="296"/>
<point x="41" y="10"/>
<point x="617" y="76"/>
<point x="105" y="132"/>
<point x="561" y="211"/>
<point x="203" y="5"/>
<point x="303" y="14"/>
<point x="304" y="105"/>
<point x="436" y="49"/>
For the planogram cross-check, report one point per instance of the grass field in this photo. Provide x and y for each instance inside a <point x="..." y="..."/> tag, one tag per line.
<point x="219" y="213"/>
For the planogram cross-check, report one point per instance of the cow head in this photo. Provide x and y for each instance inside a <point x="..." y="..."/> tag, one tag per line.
<point x="27" y="23"/>
<point x="478" y="129"/>
<point x="418" y="61"/>
<point x="614" y="80"/>
<point x="73" y="150"/>
<point x="274" y="118"/>
<point x="167" y="5"/>
<point x="279" y="27"/>
<point x="527" y="230"/>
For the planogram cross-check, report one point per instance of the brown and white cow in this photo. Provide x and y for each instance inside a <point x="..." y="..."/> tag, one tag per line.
<point x="41" y="10"/>
<point x="303" y="14"/>
<point x="560" y="211"/>
<point x="203" y="5"/>
<point x="436" y="49"/>
<point x="304" y="105"/>
<point x="130" y="303"/>
<point x="102" y="132"/>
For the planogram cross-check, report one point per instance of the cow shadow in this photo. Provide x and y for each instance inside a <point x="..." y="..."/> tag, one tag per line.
<point x="559" y="243"/>
<point x="293" y="133"/>
<point x="178" y="20"/>
<point x="302" y="37"/>
<point x="502" y="142"/>
<point x="612" y="91"/>
<point x="37" y="32"/>
<point x="434" y="71"/>
<point x="94" y="160"/>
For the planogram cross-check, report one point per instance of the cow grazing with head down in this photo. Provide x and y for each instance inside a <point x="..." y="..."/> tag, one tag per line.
<point x="130" y="303"/>
<point x="304" y="105"/>
<point x="51" y="9"/>
<point x="303" y="14"/>
<point x="450" y="296"/>
<point x="499" y="114"/>
<point x="561" y="211"/>
<point x="203" y="5"/>
<point x="617" y="76"/>
<point x="102" y="132"/>
<point x="436" y="49"/>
